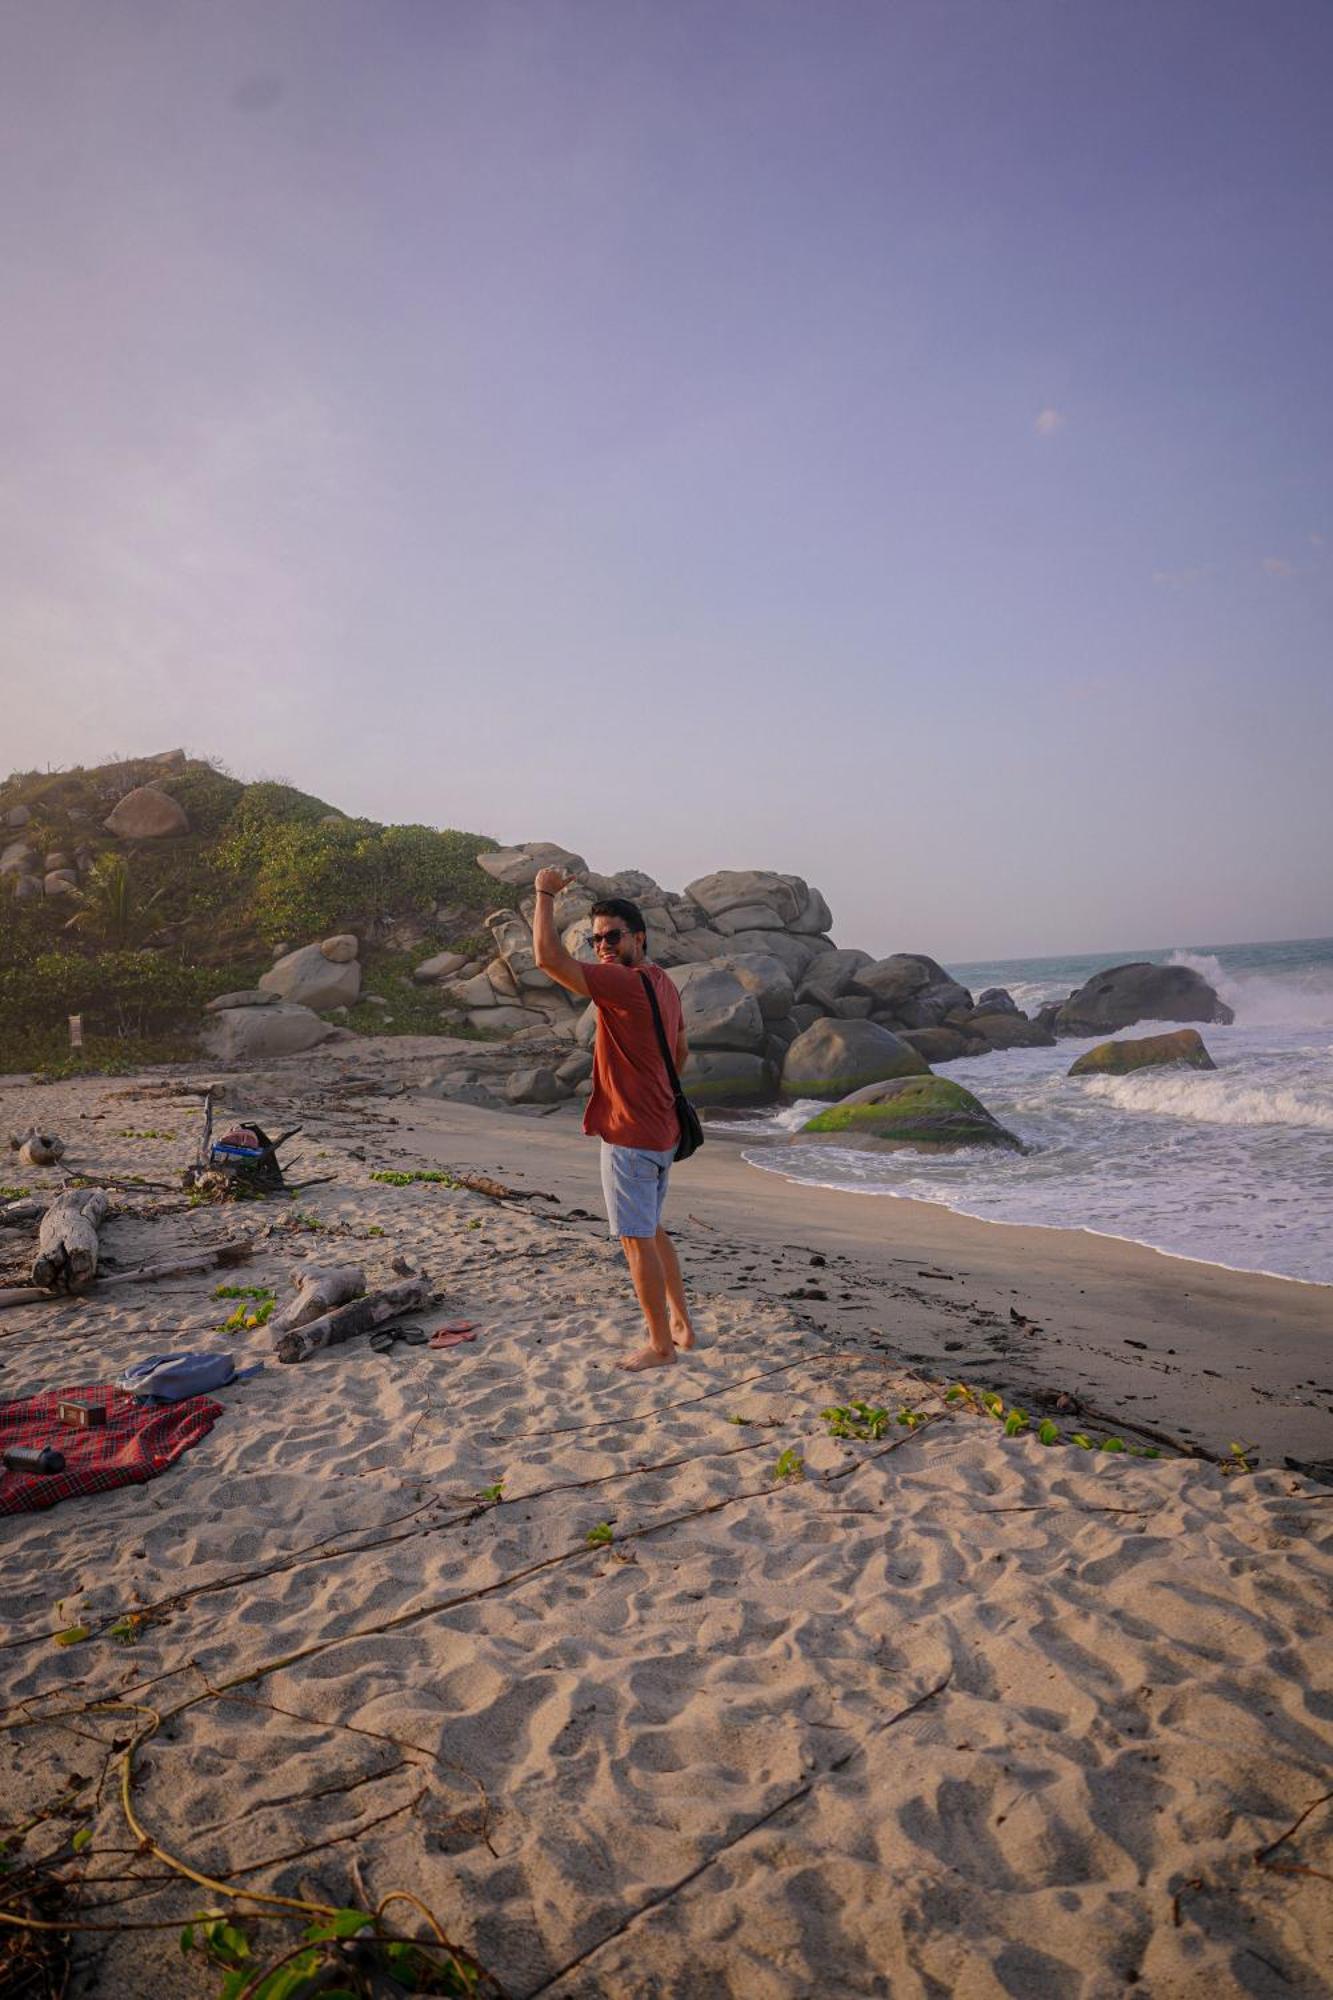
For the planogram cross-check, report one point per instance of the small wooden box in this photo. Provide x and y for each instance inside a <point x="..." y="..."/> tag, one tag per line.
<point x="83" y="1416"/>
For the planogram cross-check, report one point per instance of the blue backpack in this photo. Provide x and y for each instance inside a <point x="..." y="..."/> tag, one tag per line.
<point x="170" y="1378"/>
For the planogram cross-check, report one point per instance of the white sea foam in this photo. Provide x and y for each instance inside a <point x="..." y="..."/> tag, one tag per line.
<point x="1214" y="1098"/>
<point x="1298" y="997"/>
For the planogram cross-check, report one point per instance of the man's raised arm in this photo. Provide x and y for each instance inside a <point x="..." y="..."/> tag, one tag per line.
<point x="552" y="958"/>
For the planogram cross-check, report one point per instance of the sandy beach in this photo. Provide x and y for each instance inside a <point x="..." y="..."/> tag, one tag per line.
<point x="941" y="1712"/>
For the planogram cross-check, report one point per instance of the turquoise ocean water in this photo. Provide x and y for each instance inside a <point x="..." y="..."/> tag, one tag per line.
<point x="1233" y="1166"/>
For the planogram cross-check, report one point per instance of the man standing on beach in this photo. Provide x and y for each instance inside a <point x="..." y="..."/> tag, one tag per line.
<point x="632" y="1108"/>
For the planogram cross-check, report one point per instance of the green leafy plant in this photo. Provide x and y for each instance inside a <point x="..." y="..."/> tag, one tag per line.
<point x="911" y="1419"/>
<point x="855" y="1420"/>
<point x="246" y="1317"/>
<point x="1048" y="1433"/>
<point x="81" y="1839"/>
<point x="600" y="1536"/>
<point x="396" y="1178"/>
<point x="1239" y="1457"/>
<point x="73" y="1635"/>
<point x="494" y="1493"/>
<point x="790" y="1465"/>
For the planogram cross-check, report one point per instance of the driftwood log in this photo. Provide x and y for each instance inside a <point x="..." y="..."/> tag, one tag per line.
<point x="319" y="1289"/>
<point x="361" y="1316"/>
<point x="18" y="1214"/>
<point x="222" y="1254"/>
<point x="66" y="1257"/>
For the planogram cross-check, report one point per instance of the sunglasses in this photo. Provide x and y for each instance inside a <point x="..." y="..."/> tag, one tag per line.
<point x="611" y="938"/>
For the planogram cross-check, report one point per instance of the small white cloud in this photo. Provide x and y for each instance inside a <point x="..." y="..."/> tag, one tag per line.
<point x="1049" y="421"/>
<point x="1316" y="541"/>
<point x="1180" y="579"/>
<point x="1278" y="566"/>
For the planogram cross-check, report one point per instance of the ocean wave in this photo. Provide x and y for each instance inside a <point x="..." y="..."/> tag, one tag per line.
<point x="1298" y="999"/>
<point x="1213" y="1099"/>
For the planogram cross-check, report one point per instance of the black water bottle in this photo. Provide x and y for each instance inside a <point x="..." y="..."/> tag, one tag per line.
<point x="34" y="1458"/>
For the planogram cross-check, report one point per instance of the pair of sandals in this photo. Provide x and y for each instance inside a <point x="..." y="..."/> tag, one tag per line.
<point x="452" y="1334"/>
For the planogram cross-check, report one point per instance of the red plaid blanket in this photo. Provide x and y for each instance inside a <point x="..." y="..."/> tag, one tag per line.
<point x="135" y="1444"/>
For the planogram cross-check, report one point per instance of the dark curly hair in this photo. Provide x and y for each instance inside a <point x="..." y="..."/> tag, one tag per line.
<point x="620" y="906"/>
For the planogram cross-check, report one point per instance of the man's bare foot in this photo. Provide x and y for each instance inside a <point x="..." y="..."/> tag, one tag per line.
<point x="683" y="1336"/>
<point x="647" y="1357"/>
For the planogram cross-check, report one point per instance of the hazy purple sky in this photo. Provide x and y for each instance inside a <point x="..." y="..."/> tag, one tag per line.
<point x="888" y="440"/>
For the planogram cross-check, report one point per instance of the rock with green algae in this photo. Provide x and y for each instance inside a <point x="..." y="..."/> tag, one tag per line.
<point x="1185" y="1046"/>
<point x="926" y="1113"/>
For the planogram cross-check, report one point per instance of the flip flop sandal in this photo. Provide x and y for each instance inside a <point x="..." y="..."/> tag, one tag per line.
<point x="385" y="1338"/>
<point x="452" y="1336"/>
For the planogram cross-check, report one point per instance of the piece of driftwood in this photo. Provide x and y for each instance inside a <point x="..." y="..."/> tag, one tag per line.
<point x="361" y="1316"/>
<point x="66" y="1257"/>
<point x="221" y="1255"/>
<point x="17" y="1214"/>
<point x="319" y="1289"/>
<point x="37" y="1149"/>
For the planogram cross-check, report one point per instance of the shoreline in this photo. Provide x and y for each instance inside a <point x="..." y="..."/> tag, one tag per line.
<point x="1059" y="1229"/>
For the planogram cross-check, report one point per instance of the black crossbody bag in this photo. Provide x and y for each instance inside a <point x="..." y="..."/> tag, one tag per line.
<point x="691" y="1131"/>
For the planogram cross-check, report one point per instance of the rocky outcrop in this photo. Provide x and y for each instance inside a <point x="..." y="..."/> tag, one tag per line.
<point x="835" y="1057"/>
<point x="1124" y="994"/>
<point x="316" y="977"/>
<point x="146" y="814"/>
<point x="1184" y="1046"/>
<point x="517" y="867"/>
<point x="248" y="1033"/>
<point x="926" y="1114"/>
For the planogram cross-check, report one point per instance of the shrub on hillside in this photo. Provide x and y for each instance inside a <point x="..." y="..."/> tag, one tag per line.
<point x="118" y="993"/>
<point x="305" y="877"/>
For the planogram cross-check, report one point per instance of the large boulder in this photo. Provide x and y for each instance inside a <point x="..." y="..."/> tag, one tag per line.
<point x="926" y="1113"/>
<point x="831" y="976"/>
<point x="727" y="1076"/>
<point x="513" y="941"/>
<point x="896" y="979"/>
<point x="1006" y="1031"/>
<point x="630" y="883"/>
<point x="764" y="976"/>
<point x="17" y="858"/>
<point x="505" y="1020"/>
<point x="252" y="1034"/>
<point x="832" y="1058"/>
<point x="720" y="1013"/>
<point x="1185" y="1046"/>
<point x="997" y="1000"/>
<point x="796" y="953"/>
<point x="1124" y="994"/>
<point x="930" y="1005"/>
<point x="939" y="1045"/>
<point x="308" y="979"/>
<point x="443" y="966"/>
<point x="245" y="996"/>
<point x="786" y="896"/>
<point x="518" y="867"/>
<point x="146" y="814"/>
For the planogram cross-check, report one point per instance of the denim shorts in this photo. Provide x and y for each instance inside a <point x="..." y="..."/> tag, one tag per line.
<point x="634" y="1182"/>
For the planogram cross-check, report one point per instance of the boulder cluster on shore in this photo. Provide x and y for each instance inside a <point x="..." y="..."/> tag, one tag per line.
<point x="773" y="1009"/>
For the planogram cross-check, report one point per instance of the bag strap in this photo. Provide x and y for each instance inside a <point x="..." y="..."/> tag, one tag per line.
<point x="661" y="1035"/>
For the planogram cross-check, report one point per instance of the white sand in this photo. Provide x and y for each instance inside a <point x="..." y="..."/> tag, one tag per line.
<point x="967" y="1716"/>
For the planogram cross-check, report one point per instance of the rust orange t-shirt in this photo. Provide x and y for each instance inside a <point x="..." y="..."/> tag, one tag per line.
<point x="632" y="1102"/>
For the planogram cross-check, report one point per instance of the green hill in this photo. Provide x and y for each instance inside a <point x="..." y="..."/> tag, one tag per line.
<point x="142" y="931"/>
